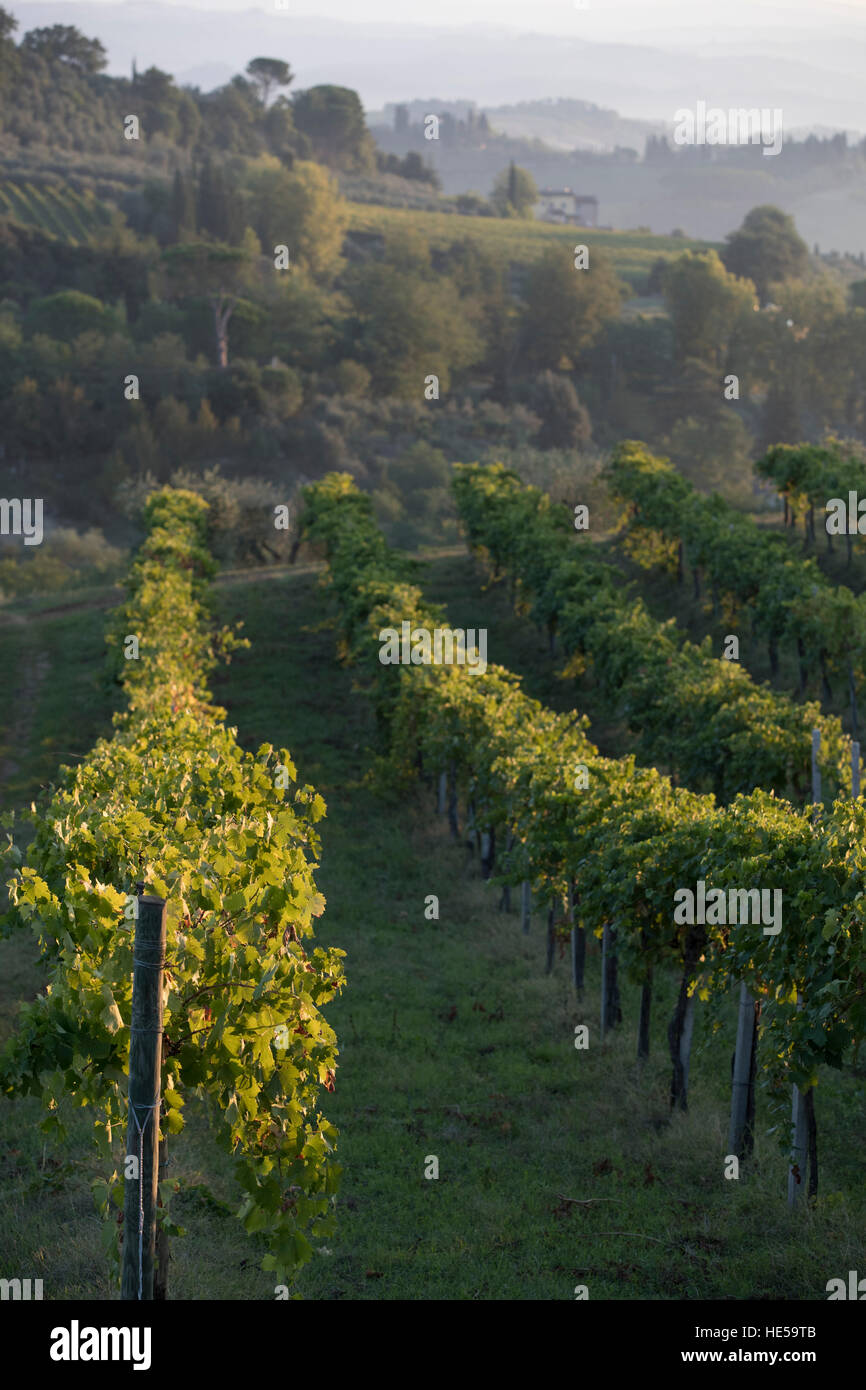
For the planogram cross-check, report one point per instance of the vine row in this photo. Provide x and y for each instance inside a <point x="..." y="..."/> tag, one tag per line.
<point x="787" y="597"/>
<point x="702" y="717"/>
<point x="229" y="839"/>
<point x="618" y="837"/>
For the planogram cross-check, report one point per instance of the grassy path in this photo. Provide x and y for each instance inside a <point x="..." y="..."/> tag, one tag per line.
<point x="455" y="1044"/>
<point x="24" y="683"/>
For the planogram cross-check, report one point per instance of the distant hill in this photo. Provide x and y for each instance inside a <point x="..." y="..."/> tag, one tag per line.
<point x="591" y="137"/>
<point x="702" y="190"/>
<point x="206" y="76"/>
<point x="565" y="124"/>
<point x="561" y="123"/>
<point x="814" y="73"/>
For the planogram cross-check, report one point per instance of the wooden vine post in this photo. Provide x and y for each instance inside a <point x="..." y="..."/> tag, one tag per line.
<point x="525" y="904"/>
<point x="643" y="1027"/>
<point x="471" y="836"/>
<point x="505" y="900"/>
<point x="611" y="1014"/>
<point x="453" y="825"/>
<point x="142" y="1135"/>
<point x="738" y="1140"/>
<point x="488" y="852"/>
<point x="578" y="944"/>
<point x="797" y="1166"/>
<point x="686" y="1047"/>
<point x="551" y="936"/>
<point x="799" y="1114"/>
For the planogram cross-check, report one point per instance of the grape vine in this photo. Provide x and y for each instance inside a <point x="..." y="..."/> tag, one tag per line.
<point x="699" y="716"/>
<point x="786" y="597"/>
<point x="624" y="834"/>
<point x="229" y="839"/>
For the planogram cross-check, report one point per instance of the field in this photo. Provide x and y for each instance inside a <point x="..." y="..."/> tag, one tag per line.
<point x="57" y="208"/>
<point x="53" y="207"/>
<point x="557" y="1167"/>
<point x="518" y="242"/>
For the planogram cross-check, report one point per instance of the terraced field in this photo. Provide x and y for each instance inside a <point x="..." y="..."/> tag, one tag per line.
<point x="516" y="242"/>
<point x="54" y="207"/>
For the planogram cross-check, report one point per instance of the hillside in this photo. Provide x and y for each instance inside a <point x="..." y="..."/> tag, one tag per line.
<point x="433" y="825"/>
<point x="519" y="242"/>
<point x="54" y="207"/>
<point x="654" y="183"/>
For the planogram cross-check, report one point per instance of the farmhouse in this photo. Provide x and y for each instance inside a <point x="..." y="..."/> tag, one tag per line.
<point x="563" y="205"/>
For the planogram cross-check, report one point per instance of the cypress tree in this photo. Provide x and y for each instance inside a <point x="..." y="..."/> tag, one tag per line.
<point x="183" y="207"/>
<point x="218" y="203"/>
<point x="205" y="200"/>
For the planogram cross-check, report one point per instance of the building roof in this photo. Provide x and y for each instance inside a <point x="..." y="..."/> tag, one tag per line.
<point x="567" y="193"/>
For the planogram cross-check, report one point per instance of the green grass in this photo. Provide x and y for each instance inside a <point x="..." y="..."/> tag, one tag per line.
<point x="57" y="698"/>
<point x="515" y="241"/>
<point x="463" y="586"/>
<point x="453" y="1043"/>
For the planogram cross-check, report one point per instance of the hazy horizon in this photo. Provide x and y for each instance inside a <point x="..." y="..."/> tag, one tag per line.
<point x="804" y="58"/>
<point x="620" y="19"/>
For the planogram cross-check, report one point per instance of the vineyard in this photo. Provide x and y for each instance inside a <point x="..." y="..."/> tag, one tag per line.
<point x="632" y="254"/>
<point x="432" y="805"/>
<point x="696" y="715"/>
<point x="605" y="836"/>
<point x="171" y="803"/>
<point x="439" y="1057"/>
<point x="54" y="207"/>
<point x="784" y="597"/>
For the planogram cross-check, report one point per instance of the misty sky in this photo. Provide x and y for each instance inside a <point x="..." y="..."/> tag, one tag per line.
<point x="704" y="20"/>
<point x="642" y="58"/>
